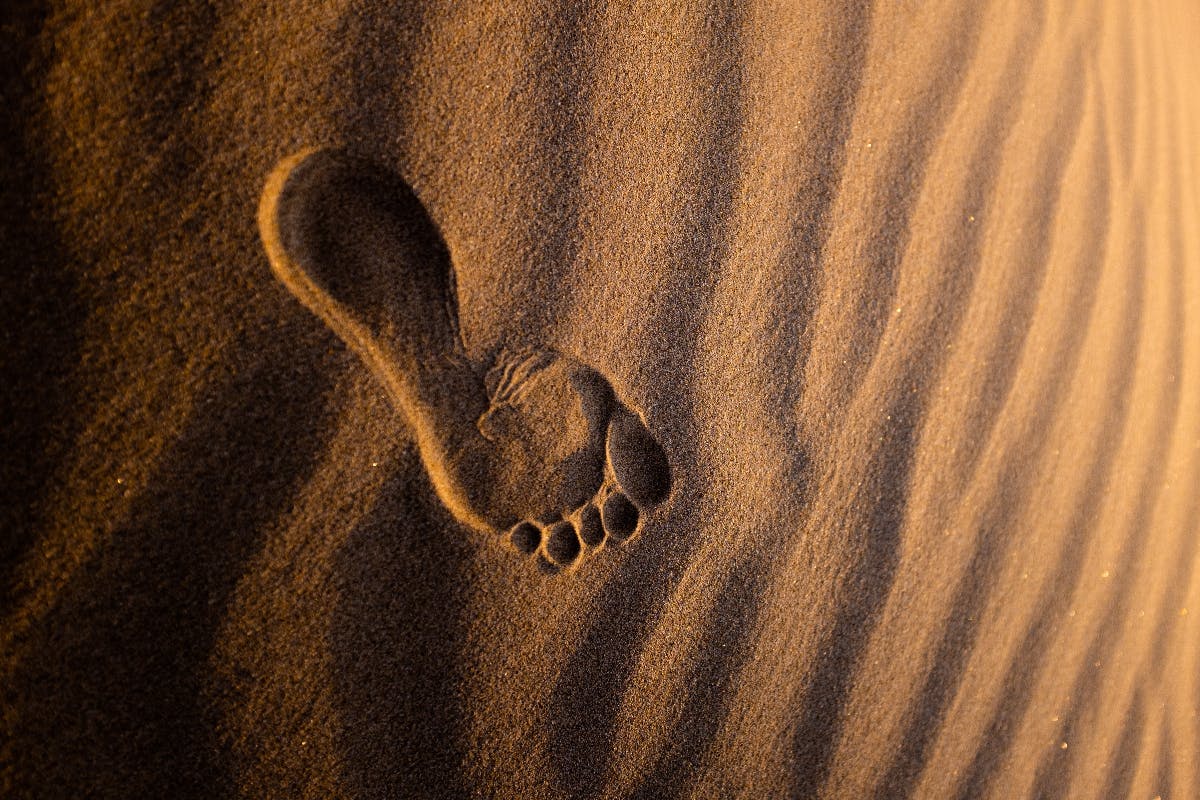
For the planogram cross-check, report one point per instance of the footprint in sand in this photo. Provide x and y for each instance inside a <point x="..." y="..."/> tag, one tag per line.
<point x="537" y="444"/>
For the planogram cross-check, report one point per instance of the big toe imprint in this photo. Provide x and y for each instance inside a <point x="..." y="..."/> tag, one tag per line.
<point x="638" y="462"/>
<point x="536" y="444"/>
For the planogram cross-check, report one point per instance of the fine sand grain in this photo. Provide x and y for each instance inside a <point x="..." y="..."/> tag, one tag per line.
<point x="531" y="400"/>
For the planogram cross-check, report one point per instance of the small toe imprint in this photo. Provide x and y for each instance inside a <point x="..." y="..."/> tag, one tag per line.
<point x="526" y="538"/>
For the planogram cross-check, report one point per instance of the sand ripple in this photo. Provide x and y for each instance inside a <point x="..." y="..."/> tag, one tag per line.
<point x="907" y="293"/>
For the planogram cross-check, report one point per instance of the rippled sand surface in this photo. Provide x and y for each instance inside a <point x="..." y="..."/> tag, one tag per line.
<point x="909" y="294"/>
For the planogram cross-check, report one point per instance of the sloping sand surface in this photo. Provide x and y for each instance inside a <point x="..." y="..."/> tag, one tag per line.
<point x="908" y="294"/>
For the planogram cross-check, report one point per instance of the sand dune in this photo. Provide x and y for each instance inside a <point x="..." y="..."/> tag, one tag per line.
<point x="899" y="303"/>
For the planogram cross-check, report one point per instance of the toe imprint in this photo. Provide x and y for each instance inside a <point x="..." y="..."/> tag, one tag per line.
<point x="562" y="545"/>
<point x="591" y="529"/>
<point x="526" y="538"/>
<point x="620" y="516"/>
<point x="638" y="462"/>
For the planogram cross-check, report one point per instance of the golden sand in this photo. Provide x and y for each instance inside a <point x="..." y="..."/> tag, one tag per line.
<point x="907" y="297"/>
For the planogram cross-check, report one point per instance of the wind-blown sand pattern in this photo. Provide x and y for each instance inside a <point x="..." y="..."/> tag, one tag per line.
<point x="901" y="299"/>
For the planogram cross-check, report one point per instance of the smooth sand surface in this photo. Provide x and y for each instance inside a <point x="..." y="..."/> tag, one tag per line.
<point x="908" y="296"/>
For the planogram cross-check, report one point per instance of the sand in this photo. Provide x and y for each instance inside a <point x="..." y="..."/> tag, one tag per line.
<point x="894" y="309"/>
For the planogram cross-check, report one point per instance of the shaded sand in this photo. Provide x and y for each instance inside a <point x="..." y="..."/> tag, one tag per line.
<point x="881" y="323"/>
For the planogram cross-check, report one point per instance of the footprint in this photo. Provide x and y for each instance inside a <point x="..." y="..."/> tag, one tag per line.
<point x="536" y="445"/>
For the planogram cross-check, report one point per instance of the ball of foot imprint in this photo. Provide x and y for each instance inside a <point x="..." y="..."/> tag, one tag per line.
<point x="546" y="422"/>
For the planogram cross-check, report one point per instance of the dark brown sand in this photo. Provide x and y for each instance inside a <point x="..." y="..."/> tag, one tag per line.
<point x="908" y="295"/>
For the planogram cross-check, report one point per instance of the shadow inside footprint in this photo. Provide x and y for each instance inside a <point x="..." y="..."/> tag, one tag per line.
<point x="537" y="443"/>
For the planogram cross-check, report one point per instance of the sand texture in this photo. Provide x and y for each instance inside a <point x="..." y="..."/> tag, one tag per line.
<point x="532" y="400"/>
